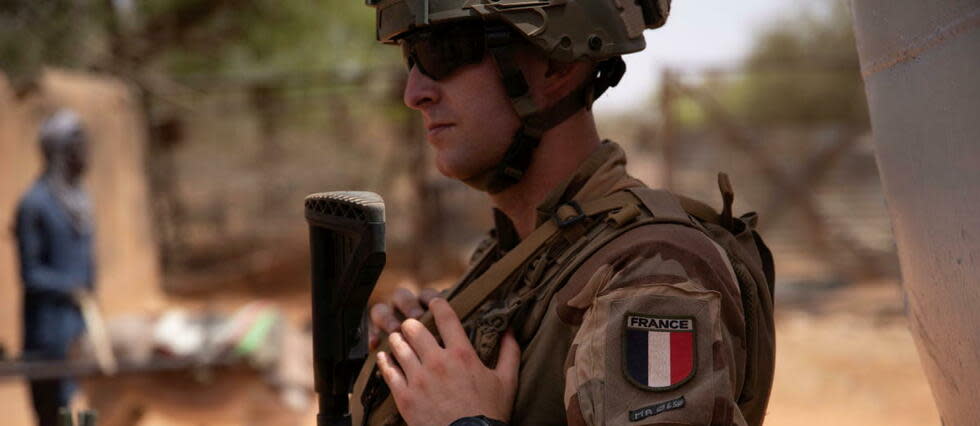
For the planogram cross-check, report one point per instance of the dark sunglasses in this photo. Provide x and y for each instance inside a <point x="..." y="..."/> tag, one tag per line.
<point x="439" y="51"/>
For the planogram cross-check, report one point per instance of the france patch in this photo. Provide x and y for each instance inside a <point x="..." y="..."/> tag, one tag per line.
<point x="658" y="352"/>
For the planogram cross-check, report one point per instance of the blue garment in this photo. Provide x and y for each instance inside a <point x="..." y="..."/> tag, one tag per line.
<point x="55" y="259"/>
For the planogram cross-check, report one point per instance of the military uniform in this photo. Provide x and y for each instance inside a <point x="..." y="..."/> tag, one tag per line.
<point x="628" y="309"/>
<point x="649" y="329"/>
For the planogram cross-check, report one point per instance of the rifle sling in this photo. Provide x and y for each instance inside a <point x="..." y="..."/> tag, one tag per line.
<point x="471" y="297"/>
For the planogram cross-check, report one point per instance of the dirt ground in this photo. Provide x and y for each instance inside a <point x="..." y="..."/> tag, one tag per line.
<point x="844" y="358"/>
<point x="849" y="360"/>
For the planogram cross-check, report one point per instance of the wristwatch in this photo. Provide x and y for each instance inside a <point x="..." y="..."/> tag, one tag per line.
<point x="477" y="421"/>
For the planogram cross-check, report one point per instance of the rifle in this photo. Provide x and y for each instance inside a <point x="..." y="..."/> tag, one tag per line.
<point x="347" y="254"/>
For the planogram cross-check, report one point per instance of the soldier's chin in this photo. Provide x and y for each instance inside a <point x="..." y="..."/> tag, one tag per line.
<point x="446" y="167"/>
<point x="454" y="168"/>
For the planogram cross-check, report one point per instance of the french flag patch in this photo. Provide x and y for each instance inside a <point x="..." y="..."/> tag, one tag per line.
<point x="659" y="351"/>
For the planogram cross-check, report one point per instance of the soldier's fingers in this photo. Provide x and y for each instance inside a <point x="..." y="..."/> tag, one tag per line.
<point x="509" y="361"/>
<point x="422" y="341"/>
<point x="391" y="373"/>
<point x="450" y="328"/>
<point x="383" y="318"/>
<point x="404" y="354"/>
<point x="426" y="296"/>
<point x="372" y="337"/>
<point x="407" y="302"/>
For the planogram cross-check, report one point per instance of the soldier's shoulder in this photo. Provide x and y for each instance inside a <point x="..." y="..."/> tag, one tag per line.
<point x="657" y="253"/>
<point x="660" y="251"/>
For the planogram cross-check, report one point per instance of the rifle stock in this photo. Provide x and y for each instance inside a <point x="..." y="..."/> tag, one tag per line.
<point x="347" y="248"/>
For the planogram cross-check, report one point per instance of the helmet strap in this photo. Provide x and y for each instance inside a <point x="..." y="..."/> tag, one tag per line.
<point x="534" y="121"/>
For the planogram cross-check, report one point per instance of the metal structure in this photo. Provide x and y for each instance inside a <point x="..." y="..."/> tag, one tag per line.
<point x="790" y="181"/>
<point x="920" y="61"/>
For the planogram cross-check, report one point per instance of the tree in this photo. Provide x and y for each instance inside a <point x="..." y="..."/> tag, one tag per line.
<point x="38" y="33"/>
<point x="805" y="70"/>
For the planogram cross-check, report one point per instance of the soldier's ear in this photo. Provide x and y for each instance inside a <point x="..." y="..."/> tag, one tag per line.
<point x="551" y="80"/>
<point x="561" y="78"/>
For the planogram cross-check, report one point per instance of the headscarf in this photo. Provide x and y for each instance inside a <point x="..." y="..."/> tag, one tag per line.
<point x="59" y="133"/>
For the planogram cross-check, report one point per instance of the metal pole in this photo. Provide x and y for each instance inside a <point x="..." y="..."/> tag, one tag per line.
<point x="921" y="62"/>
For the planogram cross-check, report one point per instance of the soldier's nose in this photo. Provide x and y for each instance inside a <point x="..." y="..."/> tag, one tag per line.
<point x="420" y="90"/>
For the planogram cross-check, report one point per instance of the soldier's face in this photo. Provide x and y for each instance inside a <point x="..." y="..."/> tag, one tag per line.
<point x="468" y="118"/>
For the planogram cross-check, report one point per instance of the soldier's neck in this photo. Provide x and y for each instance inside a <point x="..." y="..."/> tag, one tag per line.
<point x="562" y="150"/>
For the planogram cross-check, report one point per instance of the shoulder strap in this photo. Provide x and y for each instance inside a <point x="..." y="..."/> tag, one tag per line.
<point x="666" y="206"/>
<point x="470" y="298"/>
<point x="661" y="202"/>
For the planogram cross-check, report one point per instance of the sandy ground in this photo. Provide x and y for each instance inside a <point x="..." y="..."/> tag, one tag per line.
<point x="844" y="358"/>
<point x="849" y="360"/>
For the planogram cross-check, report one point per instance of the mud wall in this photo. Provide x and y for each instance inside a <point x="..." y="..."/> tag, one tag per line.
<point x="128" y="275"/>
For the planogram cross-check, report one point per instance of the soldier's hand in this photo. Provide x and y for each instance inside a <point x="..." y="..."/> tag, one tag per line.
<point x="436" y="385"/>
<point x="387" y="317"/>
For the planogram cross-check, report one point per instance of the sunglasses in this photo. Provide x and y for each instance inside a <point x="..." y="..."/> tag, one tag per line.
<point x="441" y="50"/>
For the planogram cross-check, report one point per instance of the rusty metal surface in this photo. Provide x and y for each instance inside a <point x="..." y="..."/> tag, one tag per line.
<point x="908" y="28"/>
<point x="921" y="62"/>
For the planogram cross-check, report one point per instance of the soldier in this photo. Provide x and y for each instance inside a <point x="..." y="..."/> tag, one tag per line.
<point x="54" y="238"/>
<point x="626" y="307"/>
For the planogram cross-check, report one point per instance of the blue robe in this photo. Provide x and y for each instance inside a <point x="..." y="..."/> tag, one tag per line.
<point x="56" y="258"/>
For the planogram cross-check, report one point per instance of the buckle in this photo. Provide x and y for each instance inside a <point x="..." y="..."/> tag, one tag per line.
<point x="579" y="215"/>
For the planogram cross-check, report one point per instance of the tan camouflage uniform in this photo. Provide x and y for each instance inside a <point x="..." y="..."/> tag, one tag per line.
<point x="572" y="333"/>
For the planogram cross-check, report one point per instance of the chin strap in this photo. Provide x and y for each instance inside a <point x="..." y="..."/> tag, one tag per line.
<point x="534" y="121"/>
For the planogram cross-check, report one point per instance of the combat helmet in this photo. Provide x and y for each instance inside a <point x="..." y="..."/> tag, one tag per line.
<point x="600" y="31"/>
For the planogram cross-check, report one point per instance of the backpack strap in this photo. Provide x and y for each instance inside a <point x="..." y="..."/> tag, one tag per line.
<point x="661" y="202"/>
<point x="667" y="207"/>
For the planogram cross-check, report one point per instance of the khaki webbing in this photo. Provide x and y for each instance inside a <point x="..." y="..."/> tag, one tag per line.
<point x="471" y="297"/>
<point x="668" y="206"/>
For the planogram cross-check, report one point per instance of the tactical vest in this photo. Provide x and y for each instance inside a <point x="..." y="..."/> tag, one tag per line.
<point x="517" y="289"/>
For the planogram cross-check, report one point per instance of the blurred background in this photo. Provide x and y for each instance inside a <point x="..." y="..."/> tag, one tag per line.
<point x="211" y="120"/>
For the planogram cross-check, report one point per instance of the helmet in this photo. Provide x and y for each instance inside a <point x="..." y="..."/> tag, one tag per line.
<point x="566" y="30"/>
<point x="599" y="31"/>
